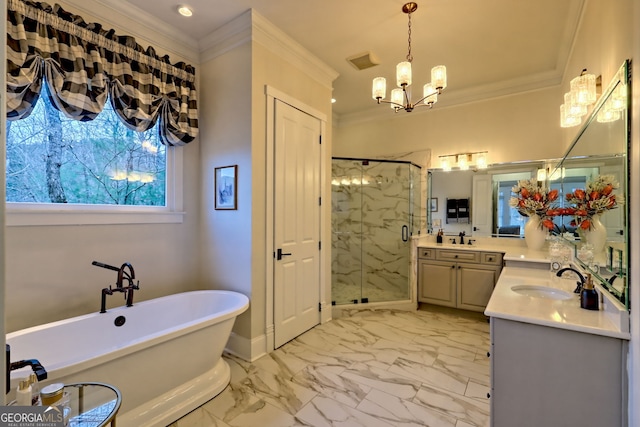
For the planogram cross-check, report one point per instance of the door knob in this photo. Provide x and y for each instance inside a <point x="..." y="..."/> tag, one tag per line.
<point x="280" y="254"/>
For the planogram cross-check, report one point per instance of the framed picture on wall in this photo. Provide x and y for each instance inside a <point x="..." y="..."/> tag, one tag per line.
<point x="434" y="204"/>
<point x="226" y="187"/>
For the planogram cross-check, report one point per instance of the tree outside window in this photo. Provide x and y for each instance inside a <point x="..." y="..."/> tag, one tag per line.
<point x="54" y="159"/>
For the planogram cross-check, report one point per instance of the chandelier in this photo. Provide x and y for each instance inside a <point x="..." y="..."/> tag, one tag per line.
<point x="401" y="96"/>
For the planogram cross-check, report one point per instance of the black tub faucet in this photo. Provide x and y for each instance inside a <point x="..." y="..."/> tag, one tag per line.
<point x="36" y="367"/>
<point x="122" y="276"/>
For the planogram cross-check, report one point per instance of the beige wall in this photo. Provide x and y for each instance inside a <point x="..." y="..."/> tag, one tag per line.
<point x="233" y="131"/>
<point x="508" y="127"/>
<point x="49" y="275"/>
<point x="602" y="44"/>
<point x="225" y="139"/>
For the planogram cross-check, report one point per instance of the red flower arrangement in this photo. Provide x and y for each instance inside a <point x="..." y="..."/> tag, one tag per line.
<point x="532" y="200"/>
<point x="597" y="198"/>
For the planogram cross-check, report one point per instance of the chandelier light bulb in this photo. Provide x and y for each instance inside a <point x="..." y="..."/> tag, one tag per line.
<point x="379" y="89"/>
<point x="439" y="77"/>
<point x="430" y="94"/>
<point x="403" y="73"/>
<point x="397" y="97"/>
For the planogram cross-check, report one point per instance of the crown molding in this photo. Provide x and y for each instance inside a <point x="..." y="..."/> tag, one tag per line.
<point x="227" y="37"/>
<point x="277" y="41"/>
<point x="127" y="18"/>
<point x="251" y="26"/>
<point x="458" y="97"/>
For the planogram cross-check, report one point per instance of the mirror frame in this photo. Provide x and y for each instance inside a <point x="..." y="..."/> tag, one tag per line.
<point x="606" y="275"/>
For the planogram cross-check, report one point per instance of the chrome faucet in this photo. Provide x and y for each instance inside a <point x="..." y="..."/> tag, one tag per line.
<point x="122" y="276"/>
<point x="580" y="283"/>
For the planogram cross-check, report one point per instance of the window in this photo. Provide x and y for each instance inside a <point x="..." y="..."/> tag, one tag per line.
<point x="98" y="168"/>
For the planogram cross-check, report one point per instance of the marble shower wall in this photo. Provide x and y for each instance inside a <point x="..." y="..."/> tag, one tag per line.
<point x="370" y="205"/>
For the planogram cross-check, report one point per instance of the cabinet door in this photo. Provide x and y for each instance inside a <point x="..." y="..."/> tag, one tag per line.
<point x="475" y="285"/>
<point x="544" y="376"/>
<point x="437" y="282"/>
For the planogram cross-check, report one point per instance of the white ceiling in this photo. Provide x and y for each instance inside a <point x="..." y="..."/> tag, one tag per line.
<point x="490" y="47"/>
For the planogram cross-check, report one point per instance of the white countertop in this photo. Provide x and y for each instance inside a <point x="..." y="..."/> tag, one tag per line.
<point x="611" y="320"/>
<point x="513" y="249"/>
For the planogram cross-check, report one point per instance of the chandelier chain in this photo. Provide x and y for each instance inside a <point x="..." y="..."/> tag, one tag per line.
<point x="409" y="56"/>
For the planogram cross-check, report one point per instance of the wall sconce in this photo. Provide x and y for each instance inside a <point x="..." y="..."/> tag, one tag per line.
<point x="464" y="161"/>
<point x="582" y="94"/>
<point x="613" y="107"/>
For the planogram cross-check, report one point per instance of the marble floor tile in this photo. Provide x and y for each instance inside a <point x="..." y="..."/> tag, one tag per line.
<point x="400" y="412"/>
<point x="368" y="368"/>
<point x="326" y="380"/>
<point x="445" y="379"/>
<point x="476" y="390"/>
<point x="325" y="412"/>
<point x="278" y="391"/>
<point x="470" y="410"/>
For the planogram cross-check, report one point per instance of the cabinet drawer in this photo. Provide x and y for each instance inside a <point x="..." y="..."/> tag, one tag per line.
<point x="426" y="253"/>
<point x="466" y="256"/>
<point x="492" y="258"/>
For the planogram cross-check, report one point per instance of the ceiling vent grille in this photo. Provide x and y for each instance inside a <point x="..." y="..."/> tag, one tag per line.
<point x="362" y="61"/>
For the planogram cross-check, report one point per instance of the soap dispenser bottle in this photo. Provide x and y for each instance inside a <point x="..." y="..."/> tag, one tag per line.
<point x="588" y="295"/>
<point x="439" y="237"/>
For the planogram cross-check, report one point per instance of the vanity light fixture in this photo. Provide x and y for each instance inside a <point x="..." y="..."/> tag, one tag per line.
<point x="185" y="10"/>
<point x="401" y="96"/>
<point x="464" y="161"/>
<point x="613" y="107"/>
<point x="582" y="94"/>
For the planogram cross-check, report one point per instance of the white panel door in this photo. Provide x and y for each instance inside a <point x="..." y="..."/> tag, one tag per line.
<point x="297" y="223"/>
<point x="481" y="206"/>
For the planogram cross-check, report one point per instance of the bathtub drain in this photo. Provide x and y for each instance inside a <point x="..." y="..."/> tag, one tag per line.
<point x="119" y="320"/>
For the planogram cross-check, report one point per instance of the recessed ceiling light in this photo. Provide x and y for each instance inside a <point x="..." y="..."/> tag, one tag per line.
<point x="185" y="10"/>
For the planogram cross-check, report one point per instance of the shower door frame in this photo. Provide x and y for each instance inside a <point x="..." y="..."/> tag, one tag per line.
<point x="414" y="192"/>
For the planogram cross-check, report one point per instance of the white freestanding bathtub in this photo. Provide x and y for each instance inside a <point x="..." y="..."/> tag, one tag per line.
<point x="165" y="358"/>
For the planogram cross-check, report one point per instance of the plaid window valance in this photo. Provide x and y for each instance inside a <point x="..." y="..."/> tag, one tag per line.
<point x="84" y="65"/>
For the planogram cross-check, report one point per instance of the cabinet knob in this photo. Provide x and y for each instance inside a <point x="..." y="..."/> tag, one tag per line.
<point x="456" y="256"/>
<point x="488" y="354"/>
<point x="453" y="266"/>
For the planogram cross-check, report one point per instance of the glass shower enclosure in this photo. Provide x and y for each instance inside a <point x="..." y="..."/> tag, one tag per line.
<point x="373" y="204"/>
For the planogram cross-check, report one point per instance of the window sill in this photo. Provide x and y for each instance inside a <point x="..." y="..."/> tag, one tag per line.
<point x="19" y="217"/>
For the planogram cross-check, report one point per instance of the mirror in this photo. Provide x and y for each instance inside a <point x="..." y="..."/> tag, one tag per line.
<point x="596" y="159"/>
<point x="488" y="191"/>
<point x="600" y="149"/>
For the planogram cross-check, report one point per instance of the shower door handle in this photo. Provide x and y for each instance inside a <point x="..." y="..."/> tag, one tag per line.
<point x="405" y="233"/>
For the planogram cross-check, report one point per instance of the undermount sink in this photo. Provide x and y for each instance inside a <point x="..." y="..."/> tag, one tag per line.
<point x="541" y="292"/>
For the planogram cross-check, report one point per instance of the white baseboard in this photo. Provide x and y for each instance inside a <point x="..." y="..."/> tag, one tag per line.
<point x="245" y="348"/>
<point x="348" y="309"/>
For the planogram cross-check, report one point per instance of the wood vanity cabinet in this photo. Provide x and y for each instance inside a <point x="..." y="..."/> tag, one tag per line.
<point x="545" y="376"/>
<point x="457" y="278"/>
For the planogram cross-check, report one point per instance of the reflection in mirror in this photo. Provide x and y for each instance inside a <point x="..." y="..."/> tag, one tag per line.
<point x="599" y="149"/>
<point x="592" y="178"/>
